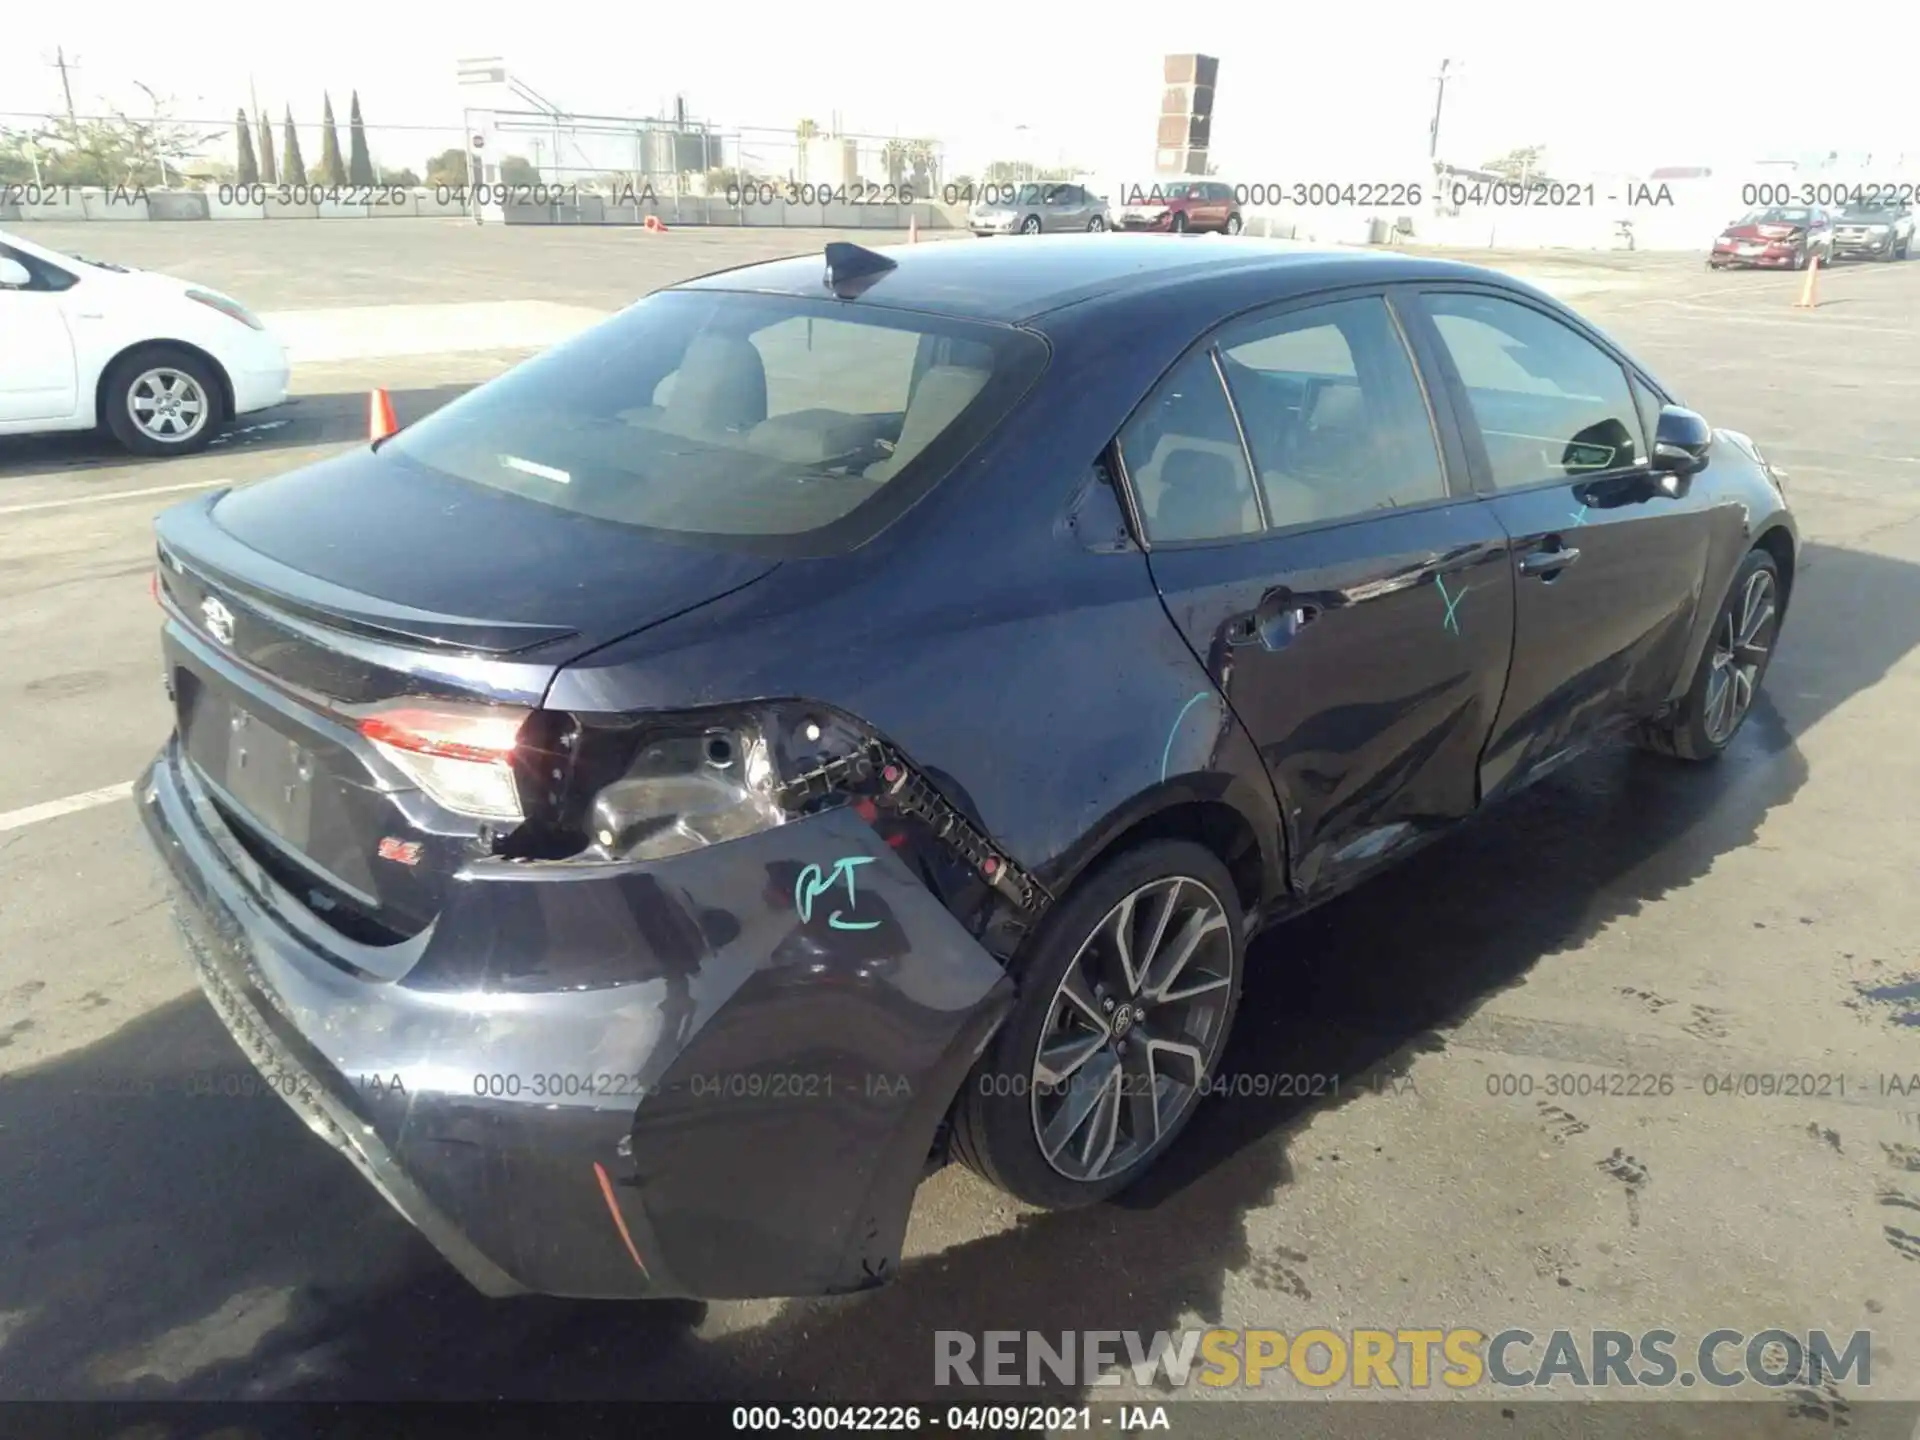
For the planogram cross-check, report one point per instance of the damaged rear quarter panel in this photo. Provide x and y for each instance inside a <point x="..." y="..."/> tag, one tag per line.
<point x="1033" y="677"/>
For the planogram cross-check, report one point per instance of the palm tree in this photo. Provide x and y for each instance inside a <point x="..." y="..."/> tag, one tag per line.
<point x="803" y="132"/>
<point x="893" y="155"/>
<point x="920" y="160"/>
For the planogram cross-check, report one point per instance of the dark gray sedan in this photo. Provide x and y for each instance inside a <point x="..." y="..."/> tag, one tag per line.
<point x="1033" y="207"/>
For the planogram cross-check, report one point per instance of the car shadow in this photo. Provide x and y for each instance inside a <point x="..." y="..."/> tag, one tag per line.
<point x="305" y="421"/>
<point x="169" y="1239"/>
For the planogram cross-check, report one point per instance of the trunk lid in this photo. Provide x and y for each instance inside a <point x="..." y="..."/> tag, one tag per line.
<point x="299" y="607"/>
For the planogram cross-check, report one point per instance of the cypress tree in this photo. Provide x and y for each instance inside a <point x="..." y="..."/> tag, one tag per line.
<point x="359" y="162"/>
<point x="293" y="170"/>
<point x="269" y="175"/>
<point x="246" y="171"/>
<point x="333" y="170"/>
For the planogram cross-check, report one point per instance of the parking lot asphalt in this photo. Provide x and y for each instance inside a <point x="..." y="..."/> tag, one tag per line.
<point x="1480" y="1164"/>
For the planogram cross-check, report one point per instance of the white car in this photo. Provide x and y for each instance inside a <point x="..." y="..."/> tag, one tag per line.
<point x="160" y="362"/>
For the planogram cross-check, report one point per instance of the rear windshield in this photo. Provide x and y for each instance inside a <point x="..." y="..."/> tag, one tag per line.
<point x="1779" y="215"/>
<point x="764" y="422"/>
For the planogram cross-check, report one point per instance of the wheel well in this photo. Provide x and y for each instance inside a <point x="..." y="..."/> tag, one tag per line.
<point x="1777" y="543"/>
<point x="220" y="376"/>
<point x="1211" y="823"/>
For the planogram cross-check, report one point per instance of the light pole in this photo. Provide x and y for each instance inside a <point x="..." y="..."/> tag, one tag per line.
<point x="154" y="100"/>
<point x="1439" y="99"/>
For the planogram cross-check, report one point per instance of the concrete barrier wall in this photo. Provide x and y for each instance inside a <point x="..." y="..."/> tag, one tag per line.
<point x="233" y="208"/>
<point x="176" y="205"/>
<point x="114" y="205"/>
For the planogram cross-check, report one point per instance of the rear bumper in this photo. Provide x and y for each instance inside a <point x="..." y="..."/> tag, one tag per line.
<point x="747" y="1115"/>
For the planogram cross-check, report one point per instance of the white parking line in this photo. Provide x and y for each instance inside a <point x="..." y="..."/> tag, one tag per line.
<point x="54" y="809"/>
<point x="111" y="495"/>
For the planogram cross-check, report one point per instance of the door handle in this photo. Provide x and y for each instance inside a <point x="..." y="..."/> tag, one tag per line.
<point x="1274" y="621"/>
<point x="1548" y="563"/>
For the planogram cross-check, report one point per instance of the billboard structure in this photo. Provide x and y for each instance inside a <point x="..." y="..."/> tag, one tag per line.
<point x="1186" y="115"/>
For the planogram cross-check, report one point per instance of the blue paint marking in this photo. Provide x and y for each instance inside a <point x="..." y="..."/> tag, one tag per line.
<point x="812" y="884"/>
<point x="1581" y="518"/>
<point x="1453" y="603"/>
<point x="1166" y="753"/>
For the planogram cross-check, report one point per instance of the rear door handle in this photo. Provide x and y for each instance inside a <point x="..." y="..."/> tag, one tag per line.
<point x="1548" y="562"/>
<point x="1274" y="621"/>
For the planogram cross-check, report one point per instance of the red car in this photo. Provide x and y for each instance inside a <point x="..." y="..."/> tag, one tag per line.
<point x="1783" y="237"/>
<point x="1179" y="206"/>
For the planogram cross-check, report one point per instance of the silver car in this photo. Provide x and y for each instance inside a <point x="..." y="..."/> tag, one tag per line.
<point x="1030" y="207"/>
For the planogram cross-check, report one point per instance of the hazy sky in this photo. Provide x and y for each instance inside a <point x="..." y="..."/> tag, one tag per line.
<point x="1305" y="91"/>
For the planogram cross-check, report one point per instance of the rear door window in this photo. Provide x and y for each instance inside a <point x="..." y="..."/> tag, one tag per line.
<point x="1333" y="412"/>
<point x="1186" y="463"/>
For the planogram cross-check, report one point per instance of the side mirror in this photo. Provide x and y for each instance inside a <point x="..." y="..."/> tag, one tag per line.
<point x="13" y="275"/>
<point x="1681" y="441"/>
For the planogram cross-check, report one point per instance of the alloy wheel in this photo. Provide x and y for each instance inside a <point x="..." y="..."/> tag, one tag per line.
<point x="1030" y="226"/>
<point x="167" y="404"/>
<point x="1133" y="1030"/>
<point x="1740" y="651"/>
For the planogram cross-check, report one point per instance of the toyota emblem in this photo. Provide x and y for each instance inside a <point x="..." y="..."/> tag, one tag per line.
<point x="219" y="620"/>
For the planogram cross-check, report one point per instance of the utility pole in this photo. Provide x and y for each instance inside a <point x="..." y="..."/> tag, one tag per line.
<point x="62" y="64"/>
<point x="1439" y="99"/>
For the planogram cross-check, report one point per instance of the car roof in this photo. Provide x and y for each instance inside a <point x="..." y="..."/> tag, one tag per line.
<point x="1016" y="281"/>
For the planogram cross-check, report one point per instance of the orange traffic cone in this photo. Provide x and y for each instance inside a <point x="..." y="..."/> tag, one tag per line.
<point x="913" y="227"/>
<point x="380" y="421"/>
<point x="653" y="222"/>
<point x="1806" y="300"/>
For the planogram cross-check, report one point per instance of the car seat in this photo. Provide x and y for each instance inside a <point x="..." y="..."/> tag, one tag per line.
<point x="940" y="394"/>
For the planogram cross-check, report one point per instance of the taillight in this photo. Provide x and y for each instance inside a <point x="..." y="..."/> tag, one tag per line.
<point x="650" y="786"/>
<point x="460" y="755"/>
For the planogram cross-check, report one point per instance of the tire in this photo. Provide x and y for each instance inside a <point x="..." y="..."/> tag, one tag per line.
<point x="1800" y="260"/>
<point x="1179" y="226"/>
<point x="999" y="1119"/>
<point x="1097" y="224"/>
<point x="155" y="375"/>
<point x="1697" y="730"/>
<point x="1030" y="225"/>
<point x="1233" y="225"/>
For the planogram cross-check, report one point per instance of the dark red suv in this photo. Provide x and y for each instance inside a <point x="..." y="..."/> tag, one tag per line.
<point x="1179" y="205"/>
